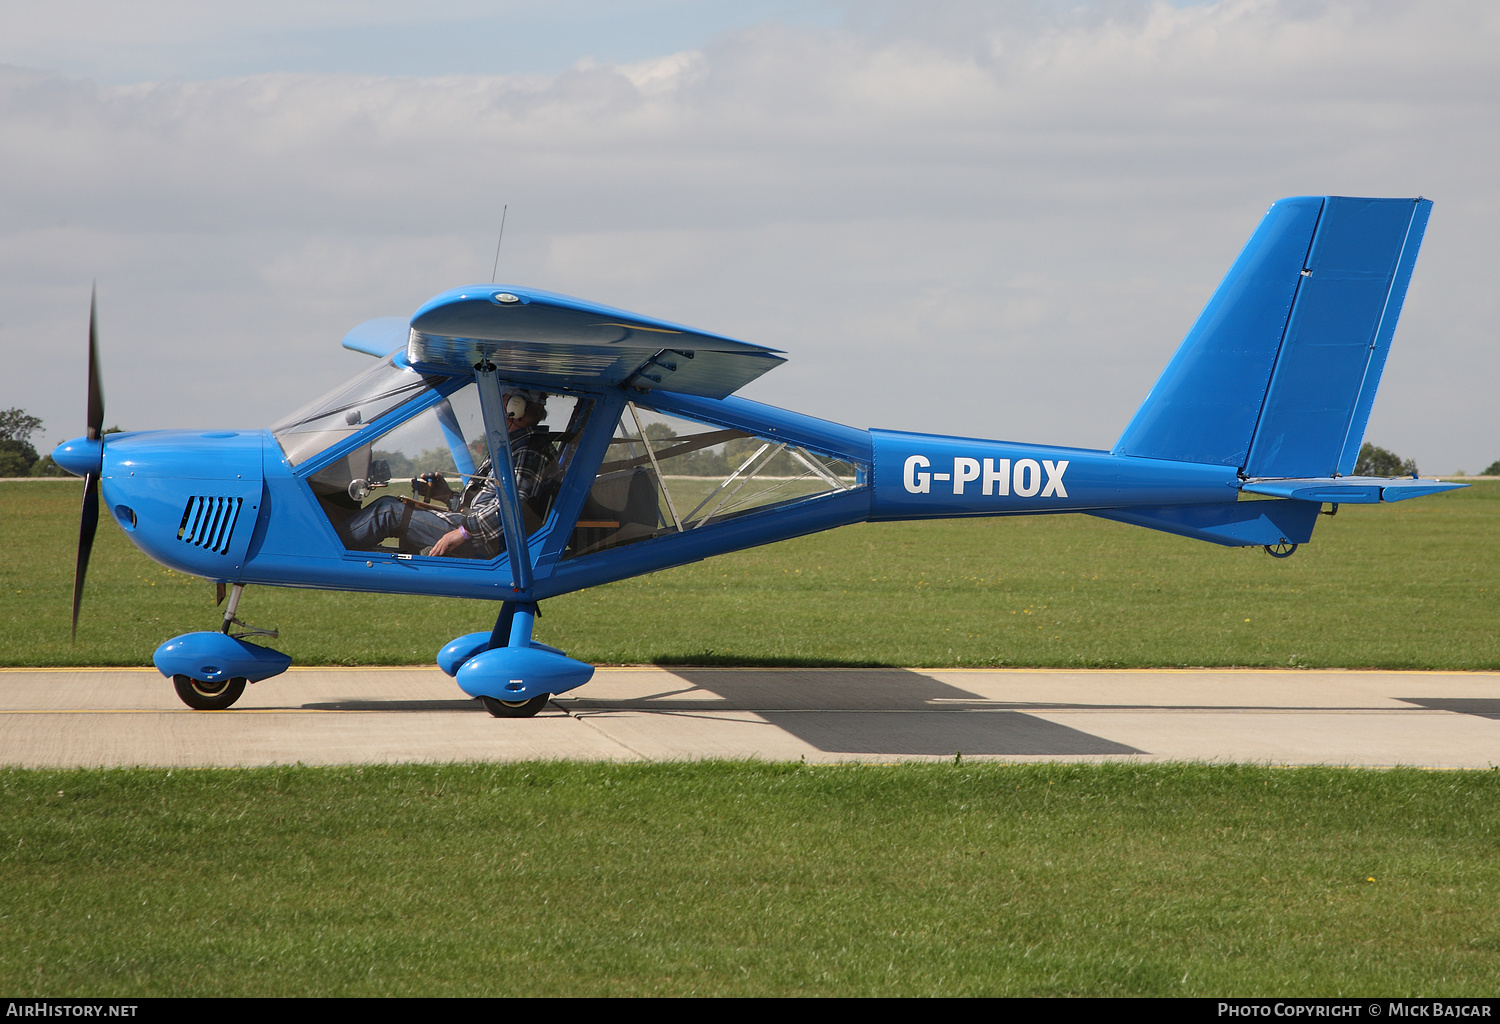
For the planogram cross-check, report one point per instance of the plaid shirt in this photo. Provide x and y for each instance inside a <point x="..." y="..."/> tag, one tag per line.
<point x="535" y="458"/>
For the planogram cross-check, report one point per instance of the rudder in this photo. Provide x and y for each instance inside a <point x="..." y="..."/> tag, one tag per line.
<point x="1338" y="337"/>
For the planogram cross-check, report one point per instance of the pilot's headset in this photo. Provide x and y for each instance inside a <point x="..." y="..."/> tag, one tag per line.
<point x="517" y="401"/>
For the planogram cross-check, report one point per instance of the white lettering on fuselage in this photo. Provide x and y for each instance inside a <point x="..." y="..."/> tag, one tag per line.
<point x="916" y="481"/>
<point x="996" y="477"/>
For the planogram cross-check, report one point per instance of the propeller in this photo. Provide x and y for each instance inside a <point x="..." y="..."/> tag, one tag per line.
<point x="88" y="520"/>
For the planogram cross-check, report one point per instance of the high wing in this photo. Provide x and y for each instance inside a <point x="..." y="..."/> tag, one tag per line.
<point x="555" y="340"/>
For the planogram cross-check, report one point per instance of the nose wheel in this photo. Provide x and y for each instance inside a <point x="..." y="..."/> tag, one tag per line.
<point x="205" y="695"/>
<point x="517" y="708"/>
<point x="211" y="670"/>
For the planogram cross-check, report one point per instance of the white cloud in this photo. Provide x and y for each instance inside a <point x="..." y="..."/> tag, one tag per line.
<point x="1009" y="215"/>
<point x="151" y="40"/>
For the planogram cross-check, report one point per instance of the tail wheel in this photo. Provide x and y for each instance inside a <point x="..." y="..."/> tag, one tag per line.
<point x="515" y="709"/>
<point x="202" y="695"/>
<point x="1284" y="549"/>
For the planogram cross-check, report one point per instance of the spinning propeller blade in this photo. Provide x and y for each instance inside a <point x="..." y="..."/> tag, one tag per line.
<point x="88" y="520"/>
<point x="96" y="386"/>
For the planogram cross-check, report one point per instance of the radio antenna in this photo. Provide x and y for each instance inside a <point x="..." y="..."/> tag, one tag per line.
<point x="496" y="268"/>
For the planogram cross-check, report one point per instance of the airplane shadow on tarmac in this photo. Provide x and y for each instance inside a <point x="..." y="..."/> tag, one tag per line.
<point x="463" y="704"/>
<point x="871" y="711"/>
<point x="1483" y="707"/>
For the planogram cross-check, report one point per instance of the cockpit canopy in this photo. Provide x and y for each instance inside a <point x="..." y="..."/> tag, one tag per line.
<point x="658" y="473"/>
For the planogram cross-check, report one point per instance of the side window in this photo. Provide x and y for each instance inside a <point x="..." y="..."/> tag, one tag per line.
<point x="665" y="474"/>
<point x="429" y="475"/>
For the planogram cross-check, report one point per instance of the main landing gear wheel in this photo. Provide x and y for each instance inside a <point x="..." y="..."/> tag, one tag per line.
<point x="515" y="708"/>
<point x="1282" y="550"/>
<point x="205" y="696"/>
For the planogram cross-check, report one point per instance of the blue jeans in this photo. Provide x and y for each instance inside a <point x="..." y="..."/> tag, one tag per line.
<point x="382" y="518"/>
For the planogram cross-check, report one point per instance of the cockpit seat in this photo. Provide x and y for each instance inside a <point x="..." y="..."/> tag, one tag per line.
<point x="621" y="507"/>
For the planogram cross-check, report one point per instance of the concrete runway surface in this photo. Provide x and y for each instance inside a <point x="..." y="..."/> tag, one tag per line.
<point x="122" y="717"/>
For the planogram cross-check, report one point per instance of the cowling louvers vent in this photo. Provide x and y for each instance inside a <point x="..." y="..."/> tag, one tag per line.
<point x="208" y="522"/>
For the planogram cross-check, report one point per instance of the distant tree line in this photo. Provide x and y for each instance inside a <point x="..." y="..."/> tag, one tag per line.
<point x="18" y="456"/>
<point x="1374" y="461"/>
<point x="722" y="459"/>
<point x="433" y="460"/>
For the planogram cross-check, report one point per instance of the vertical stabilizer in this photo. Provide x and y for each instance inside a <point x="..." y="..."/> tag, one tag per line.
<point x="1278" y="375"/>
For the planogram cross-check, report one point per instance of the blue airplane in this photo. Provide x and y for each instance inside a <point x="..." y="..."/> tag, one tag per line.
<point x="552" y="444"/>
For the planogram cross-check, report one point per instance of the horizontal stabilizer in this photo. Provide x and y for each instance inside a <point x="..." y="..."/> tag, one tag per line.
<point x="1349" y="490"/>
<point x="551" y="339"/>
<point x="1235" y="524"/>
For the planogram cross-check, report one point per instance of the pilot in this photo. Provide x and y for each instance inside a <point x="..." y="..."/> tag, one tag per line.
<point x="474" y="529"/>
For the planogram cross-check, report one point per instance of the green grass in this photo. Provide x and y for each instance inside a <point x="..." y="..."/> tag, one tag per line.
<point x="750" y="879"/>
<point x="1411" y="585"/>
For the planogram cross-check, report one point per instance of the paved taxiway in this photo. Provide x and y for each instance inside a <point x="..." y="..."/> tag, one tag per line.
<point x="95" y="717"/>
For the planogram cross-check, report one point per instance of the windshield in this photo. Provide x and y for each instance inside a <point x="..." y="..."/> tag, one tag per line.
<point x="341" y="412"/>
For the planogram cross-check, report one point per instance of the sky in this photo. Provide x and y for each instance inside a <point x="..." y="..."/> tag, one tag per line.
<point x="995" y="219"/>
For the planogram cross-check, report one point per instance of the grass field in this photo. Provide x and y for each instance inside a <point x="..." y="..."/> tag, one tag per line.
<point x="1411" y="585"/>
<point x="744" y="879"/>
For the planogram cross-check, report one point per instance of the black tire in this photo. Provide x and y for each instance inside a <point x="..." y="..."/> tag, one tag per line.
<point x="204" y="696"/>
<point x="1285" y="549"/>
<point x="515" y="709"/>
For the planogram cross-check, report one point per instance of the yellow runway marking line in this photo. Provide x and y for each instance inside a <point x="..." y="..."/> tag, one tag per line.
<point x="293" y="670"/>
<point x="190" y="711"/>
<point x="78" y="668"/>
<point x="1237" y="670"/>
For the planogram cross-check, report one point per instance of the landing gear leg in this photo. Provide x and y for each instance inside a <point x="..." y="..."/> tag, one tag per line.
<point x="234" y="605"/>
<point x="230" y="620"/>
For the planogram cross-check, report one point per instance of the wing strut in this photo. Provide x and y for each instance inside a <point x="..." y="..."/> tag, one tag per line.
<point x="503" y="470"/>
